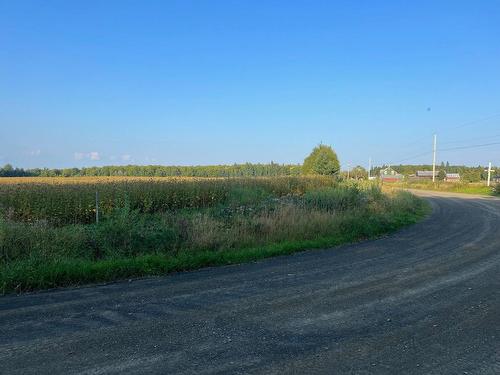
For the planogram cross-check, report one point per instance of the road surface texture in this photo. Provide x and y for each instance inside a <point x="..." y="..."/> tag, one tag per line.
<point x="425" y="300"/>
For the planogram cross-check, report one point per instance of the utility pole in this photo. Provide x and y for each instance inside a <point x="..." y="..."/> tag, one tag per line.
<point x="369" y="167"/>
<point x="489" y="173"/>
<point x="434" y="159"/>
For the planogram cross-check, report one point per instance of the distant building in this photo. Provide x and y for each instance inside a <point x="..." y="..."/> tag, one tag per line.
<point x="496" y="179"/>
<point x="390" y="175"/>
<point x="452" y="177"/>
<point x="425" y="175"/>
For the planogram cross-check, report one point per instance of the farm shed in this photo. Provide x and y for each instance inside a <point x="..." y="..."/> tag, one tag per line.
<point x="425" y="175"/>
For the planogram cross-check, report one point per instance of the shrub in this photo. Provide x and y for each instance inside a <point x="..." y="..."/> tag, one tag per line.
<point x="496" y="190"/>
<point x="42" y="241"/>
<point x="127" y="232"/>
<point x="335" y="198"/>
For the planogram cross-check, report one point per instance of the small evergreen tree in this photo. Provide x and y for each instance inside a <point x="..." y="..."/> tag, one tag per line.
<point x="441" y="175"/>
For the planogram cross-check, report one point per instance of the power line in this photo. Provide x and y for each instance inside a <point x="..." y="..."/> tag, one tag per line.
<point x="474" y="122"/>
<point x="468" y="123"/>
<point x="412" y="157"/>
<point x="418" y="140"/>
<point x="471" y="139"/>
<point x="444" y="150"/>
<point x="473" y="146"/>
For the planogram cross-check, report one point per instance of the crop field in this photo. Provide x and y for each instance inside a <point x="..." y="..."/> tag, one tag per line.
<point x="49" y="234"/>
<point x="62" y="201"/>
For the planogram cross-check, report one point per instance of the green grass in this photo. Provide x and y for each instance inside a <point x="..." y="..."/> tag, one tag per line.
<point x="481" y="190"/>
<point x="252" y="224"/>
<point x="464" y="187"/>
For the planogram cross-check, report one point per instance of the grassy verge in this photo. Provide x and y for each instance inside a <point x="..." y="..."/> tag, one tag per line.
<point x="131" y="244"/>
<point x="464" y="188"/>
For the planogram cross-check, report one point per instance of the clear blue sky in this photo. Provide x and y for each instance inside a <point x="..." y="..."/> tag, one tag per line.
<point x="209" y="82"/>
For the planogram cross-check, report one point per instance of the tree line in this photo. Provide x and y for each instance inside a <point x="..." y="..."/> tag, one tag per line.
<point x="470" y="174"/>
<point x="322" y="160"/>
<point x="235" y="170"/>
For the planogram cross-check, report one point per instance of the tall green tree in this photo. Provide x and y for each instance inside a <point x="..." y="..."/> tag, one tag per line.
<point x="358" y="172"/>
<point x="322" y="160"/>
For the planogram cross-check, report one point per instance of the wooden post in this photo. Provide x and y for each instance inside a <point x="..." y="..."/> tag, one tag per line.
<point x="97" y="207"/>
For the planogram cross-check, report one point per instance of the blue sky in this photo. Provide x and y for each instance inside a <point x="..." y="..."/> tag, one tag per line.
<point x="214" y="82"/>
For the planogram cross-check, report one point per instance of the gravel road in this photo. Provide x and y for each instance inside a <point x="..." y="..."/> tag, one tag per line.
<point x="425" y="300"/>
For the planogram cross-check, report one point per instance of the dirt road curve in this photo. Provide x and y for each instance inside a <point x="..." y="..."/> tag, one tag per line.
<point x="423" y="301"/>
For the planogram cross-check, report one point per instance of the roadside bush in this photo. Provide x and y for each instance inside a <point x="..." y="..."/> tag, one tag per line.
<point x="496" y="190"/>
<point x="123" y="233"/>
<point x="335" y="198"/>
<point x="127" y="232"/>
<point x="244" y="195"/>
<point x="42" y="241"/>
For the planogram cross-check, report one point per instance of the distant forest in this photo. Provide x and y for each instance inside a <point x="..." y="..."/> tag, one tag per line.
<point x="470" y="174"/>
<point x="235" y="170"/>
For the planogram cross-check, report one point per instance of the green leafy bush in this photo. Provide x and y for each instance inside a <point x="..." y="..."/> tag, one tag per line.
<point x="127" y="232"/>
<point x="338" y="198"/>
<point x="496" y="190"/>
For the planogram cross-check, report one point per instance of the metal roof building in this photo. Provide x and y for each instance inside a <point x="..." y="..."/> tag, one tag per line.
<point x="426" y="174"/>
<point x="452" y="177"/>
